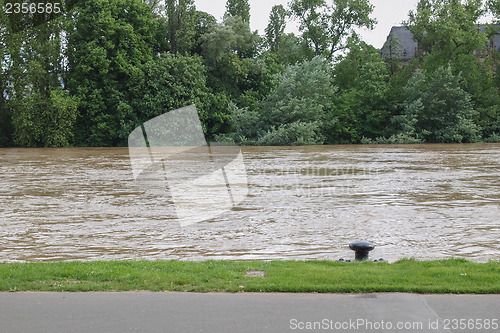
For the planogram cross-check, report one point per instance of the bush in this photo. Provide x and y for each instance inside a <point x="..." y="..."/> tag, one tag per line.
<point x="294" y="134"/>
<point x="42" y="122"/>
<point x="437" y="109"/>
<point x="294" y="112"/>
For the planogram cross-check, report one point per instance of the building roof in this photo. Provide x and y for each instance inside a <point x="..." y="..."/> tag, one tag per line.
<point x="495" y="40"/>
<point x="400" y="43"/>
<point x="402" y="46"/>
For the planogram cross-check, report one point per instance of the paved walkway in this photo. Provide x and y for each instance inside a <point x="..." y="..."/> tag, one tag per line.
<point x="246" y="312"/>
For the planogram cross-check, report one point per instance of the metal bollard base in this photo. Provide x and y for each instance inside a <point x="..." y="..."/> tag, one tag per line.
<point x="376" y="260"/>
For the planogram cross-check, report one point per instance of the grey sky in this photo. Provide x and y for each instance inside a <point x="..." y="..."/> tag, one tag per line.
<point x="387" y="12"/>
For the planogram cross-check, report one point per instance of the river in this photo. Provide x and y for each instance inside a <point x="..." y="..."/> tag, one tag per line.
<point x="415" y="201"/>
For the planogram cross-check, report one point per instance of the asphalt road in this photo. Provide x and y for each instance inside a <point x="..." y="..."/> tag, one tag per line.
<point x="246" y="312"/>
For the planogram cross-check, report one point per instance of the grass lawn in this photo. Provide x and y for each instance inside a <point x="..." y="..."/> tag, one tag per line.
<point x="443" y="276"/>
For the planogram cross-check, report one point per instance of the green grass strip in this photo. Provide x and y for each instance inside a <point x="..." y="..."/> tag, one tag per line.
<point x="443" y="276"/>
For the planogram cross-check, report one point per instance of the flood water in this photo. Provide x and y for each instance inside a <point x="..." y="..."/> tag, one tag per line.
<point x="418" y="201"/>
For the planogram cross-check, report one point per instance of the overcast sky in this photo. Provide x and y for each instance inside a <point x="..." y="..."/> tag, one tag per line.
<point x="387" y="12"/>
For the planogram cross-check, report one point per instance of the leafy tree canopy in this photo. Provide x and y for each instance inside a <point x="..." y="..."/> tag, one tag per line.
<point x="239" y="8"/>
<point x="327" y="25"/>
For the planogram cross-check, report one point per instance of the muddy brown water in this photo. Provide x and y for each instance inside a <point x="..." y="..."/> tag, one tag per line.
<point x="418" y="201"/>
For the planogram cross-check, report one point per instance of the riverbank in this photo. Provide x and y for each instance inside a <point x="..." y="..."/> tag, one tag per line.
<point x="442" y="276"/>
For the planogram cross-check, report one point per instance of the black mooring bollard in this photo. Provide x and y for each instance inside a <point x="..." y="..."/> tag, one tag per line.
<point x="361" y="249"/>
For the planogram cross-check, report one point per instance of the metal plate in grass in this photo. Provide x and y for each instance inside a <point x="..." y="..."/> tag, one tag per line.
<point x="256" y="273"/>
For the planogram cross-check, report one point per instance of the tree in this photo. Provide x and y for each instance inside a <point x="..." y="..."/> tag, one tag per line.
<point x="227" y="50"/>
<point x="108" y="43"/>
<point x="361" y="104"/>
<point x="327" y="27"/>
<point x="181" y="25"/>
<point x="232" y="36"/>
<point x="293" y="50"/>
<point x="5" y="116"/>
<point x="447" y="29"/>
<point x="155" y="7"/>
<point x="276" y="27"/>
<point x="494" y="7"/>
<point x="171" y="82"/>
<point x="45" y="122"/>
<point x="294" y="113"/>
<point x="204" y="24"/>
<point x="39" y="112"/>
<point x="239" y="8"/>
<point x="438" y="109"/>
<point x="449" y="34"/>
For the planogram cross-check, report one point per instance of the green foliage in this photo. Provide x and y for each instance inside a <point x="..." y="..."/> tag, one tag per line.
<point x="438" y="109"/>
<point x="233" y="36"/>
<point x="276" y="27"/>
<point x="217" y="115"/>
<point x="45" y="122"/>
<point x="449" y="34"/>
<point x="5" y="118"/>
<point x="31" y="80"/>
<point x="262" y="76"/>
<point x="239" y="8"/>
<point x="327" y="27"/>
<point x="486" y="96"/>
<point x="294" y="112"/>
<point x="155" y="6"/>
<point x="123" y="62"/>
<point x="228" y="50"/>
<point x="109" y="42"/>
<point x="181" y="19"/>
<point x="204" y="24"/>
<point x="489" y="120"/>
<point x="29" y="19"/>
<point x="494" y="7"/>
<point x="361" y="106"/>
<point x="293" y="50"/>
<point x="171" y="82"/>
<point x="293" y="134"/>
<point x="447" y="29"/>
<point x="5" y="126"/>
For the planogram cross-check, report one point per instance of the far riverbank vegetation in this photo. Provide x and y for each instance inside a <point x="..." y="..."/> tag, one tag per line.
<point x="98" y="69"/>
